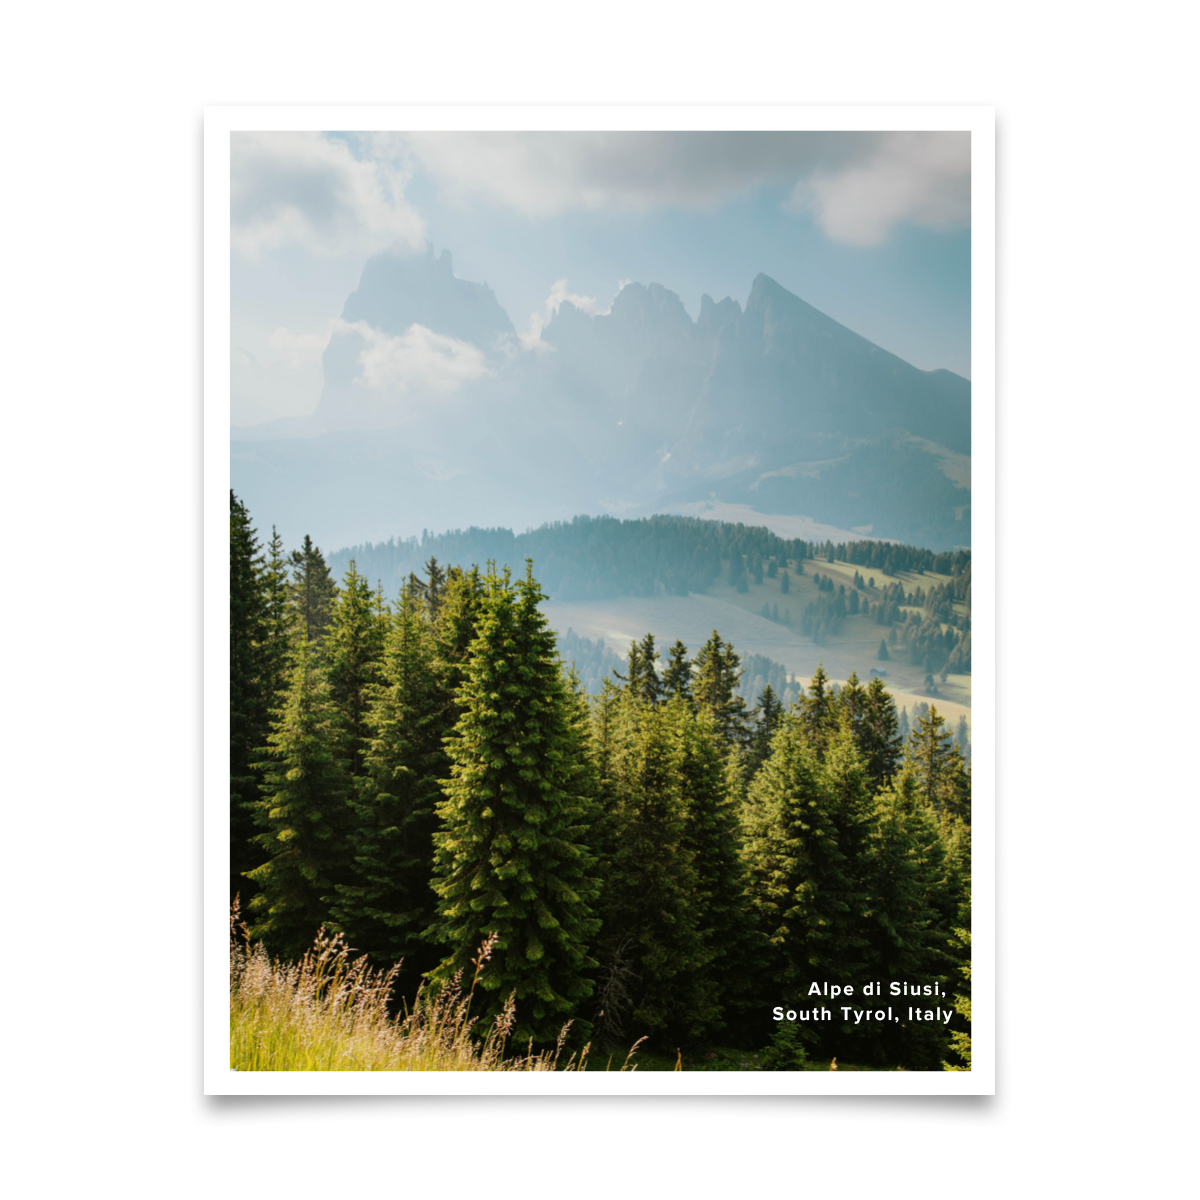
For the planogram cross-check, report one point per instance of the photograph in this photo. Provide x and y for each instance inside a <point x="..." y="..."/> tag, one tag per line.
<point x="603" y="510"/>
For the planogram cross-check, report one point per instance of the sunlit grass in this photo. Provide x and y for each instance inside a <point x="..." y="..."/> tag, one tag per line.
<point x="329" y="1012"/>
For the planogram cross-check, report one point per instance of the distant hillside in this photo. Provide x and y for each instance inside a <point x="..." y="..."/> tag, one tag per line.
<point x="434" y="414"/>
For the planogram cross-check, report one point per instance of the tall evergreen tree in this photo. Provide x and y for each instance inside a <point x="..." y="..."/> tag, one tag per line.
<point x="649" y="900"/>
<point x="304" y="812"/>
<point x="905" y="866"/>
<point x="818" y="712"/>
<point x="875" y="731"/>
<point x="715" y="688"/>
<point x="389" y="901"/>
<point x="353" y="651"/>
<point x="712" y="836"/>
<point x="802" y="886"/>
<point x="677" y="678"/>
<point x="768" y="714"/>
<point x="312" y="590"/>
<point x="512" y="851"/>
<point x="942" y="775"/>
<point x="250" y="696"/>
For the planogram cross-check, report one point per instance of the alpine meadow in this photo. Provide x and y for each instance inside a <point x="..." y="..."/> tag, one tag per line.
<point x="600" y="688"/>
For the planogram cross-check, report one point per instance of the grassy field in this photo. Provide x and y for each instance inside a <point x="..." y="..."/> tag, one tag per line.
<point x="737" y="616"/>
<point x="782" y="526"/>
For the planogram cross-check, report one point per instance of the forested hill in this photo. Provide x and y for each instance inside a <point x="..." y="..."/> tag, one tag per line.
<point x="592" y="558"/>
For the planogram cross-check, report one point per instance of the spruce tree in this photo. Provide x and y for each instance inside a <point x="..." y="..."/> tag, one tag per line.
<point x="906" y="924"/>
<point x="304" y="812"/>
<point x="353" y="651"/>
<point x="818" y="712"/>
<point x="802" y="888"/>
<point x="389" y="902"/>
<point x="312" y="590"/>
<point x="876" y="732"/>
<point x="768" y="714"/>
<point x="942" y="775"/>
<point x="715" y="689"/>
<point x="677" y="678"/>
<point x="250" y="695"/>
<point x="512" y="851"/>
<point x="649" y="900"/>
<point x="712" y="836"/>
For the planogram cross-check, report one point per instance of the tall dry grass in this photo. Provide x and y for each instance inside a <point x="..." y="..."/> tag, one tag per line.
<point x="329" y="1012"/>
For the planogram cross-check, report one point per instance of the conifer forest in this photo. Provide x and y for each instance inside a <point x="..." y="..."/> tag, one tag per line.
<point x="622" y="853"/>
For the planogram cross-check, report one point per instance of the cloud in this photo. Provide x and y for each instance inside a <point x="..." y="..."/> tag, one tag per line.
<point x="312" y="190"/>
<point x="531" y="339"/>
<point x="857" y="186"/>
<point x="288" y="384"/>
<point x="917" y="178"/>
<point x="417" y="359"/>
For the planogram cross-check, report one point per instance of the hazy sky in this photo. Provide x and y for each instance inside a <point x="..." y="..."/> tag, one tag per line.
<point x="873" y="229"/>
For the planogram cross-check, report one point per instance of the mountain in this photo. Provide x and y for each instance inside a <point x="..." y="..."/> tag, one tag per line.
<point x="433" y="415"/>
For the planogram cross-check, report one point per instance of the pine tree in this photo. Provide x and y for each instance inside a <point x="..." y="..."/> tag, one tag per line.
<point x="875" y="731"/>
<point x="712" y="835"/>
<point x="304" y="812"/>
<point x="960" y="1040"/>
<point x="943" y="779"/>
<point x="649" y="687"/>
<point x="312" y="589"/>
<point x="785" y="584"/>
<point x="768" y="714"/>
<point x="649" y="899"/>
<point x="802" y="887"/>
<point x="677" y="678"/>
<point x="817" y="711"/>
<point x="250" y="695"/>
<point x="715" y="688"/>
<point x="512" y="851"/>
<point x="353" y="652"/>
<point x="278" y="645"/>
<point x="389" y="902"/>
<point x="883" y="654"/>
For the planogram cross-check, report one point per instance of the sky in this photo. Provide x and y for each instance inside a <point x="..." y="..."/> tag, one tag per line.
<point x="871" y="228"/>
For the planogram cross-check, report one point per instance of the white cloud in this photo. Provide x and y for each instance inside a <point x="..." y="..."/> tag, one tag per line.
<point x="918" y="178"/>
<point x="857" y="186"/>
<point x="311" y="190"/>
<point x="285" y="384"/>
<point x="417" y="359"/>
<point x="531" y="339"/>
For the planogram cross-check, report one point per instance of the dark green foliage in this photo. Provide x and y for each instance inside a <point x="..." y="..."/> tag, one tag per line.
<point x="785" y="584"/>
<point x="800" y="877"/>
<point x="389" y="902"/>
<point x="641" y="678"/>
<point x="883" y="654"/>
<point x="785" y="1051"/>
<point x="353" y="652"/>
<point x="712" y="835"/>
<point x="512" y="851"/>
<point x="876" y="733"/>
<point x="250" y="694"/>
<point x="715" y="688"/>
<point x="818" y="712"/>
<point x="312" y="590"/>
<point x="305" y="812"/>
<point x="941" y="773"/>
<point x="652" y="932"/>
<point x="768" y="714"/>
<point x="677" y="678"/>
